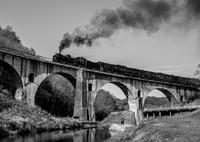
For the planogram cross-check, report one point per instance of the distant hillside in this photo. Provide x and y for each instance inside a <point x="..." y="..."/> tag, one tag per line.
<point x="9" y="39"/>
<point x="155" y="101"/>
<point x="105" y="103"/>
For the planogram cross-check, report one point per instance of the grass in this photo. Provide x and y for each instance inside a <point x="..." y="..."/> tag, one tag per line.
<point x="180" y="128"/>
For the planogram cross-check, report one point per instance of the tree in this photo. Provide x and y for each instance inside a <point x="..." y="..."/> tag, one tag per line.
<point x="9" y="28"/>
<point x="7" y="89"/>
<point x="56" y="95"/>
<point x="152" y="101"/>
<point x="197" y="72"/>
<point x="105" y="103"/>
<point x="9" y="39"/>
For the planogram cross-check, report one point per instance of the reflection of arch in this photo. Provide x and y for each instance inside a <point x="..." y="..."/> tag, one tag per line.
<point x="171" y="97"/>
<point x="16" y="79"/>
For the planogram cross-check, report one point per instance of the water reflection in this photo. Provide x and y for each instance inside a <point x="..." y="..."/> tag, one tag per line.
<point x="85" y="135"/>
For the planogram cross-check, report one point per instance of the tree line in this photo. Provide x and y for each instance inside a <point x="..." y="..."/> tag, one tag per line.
<point x="9" y="39"/>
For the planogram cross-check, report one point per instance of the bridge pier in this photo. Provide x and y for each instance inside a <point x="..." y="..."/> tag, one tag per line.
<point x="78" y="109"/>
<point x="91" y="110"/>
<point x="31" y="88"/>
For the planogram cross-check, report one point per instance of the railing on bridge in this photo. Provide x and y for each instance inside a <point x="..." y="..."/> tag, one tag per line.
<point x="174" y="107"/>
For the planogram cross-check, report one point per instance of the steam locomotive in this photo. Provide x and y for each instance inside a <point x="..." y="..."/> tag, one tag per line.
<point x="123" y="70"/>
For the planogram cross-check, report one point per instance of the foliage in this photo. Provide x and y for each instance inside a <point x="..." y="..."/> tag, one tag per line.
<point x="9" y="39"/>
<point x="155" y="101"/>
<point x="21" y="118"/>
<point x="7" y="90"/>
<point x="6" y="100"/>
<point x="105" y="103"/>
<point x="197" y="72"/>
<point x="6" y="81"/>
<point x="56" y="95"/>
<point x="121" y="104"/>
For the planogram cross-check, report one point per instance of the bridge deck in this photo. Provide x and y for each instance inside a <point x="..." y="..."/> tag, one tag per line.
<point x="49" y="60"/>
<point x="171" y="108"/>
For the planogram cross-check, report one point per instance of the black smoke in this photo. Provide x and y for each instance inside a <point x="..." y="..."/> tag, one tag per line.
<point x="193" y="7"/>
<point x="148" y="15"/>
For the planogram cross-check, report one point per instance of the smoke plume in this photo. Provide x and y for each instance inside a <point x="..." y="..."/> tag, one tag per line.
<point x="147" y="15"/>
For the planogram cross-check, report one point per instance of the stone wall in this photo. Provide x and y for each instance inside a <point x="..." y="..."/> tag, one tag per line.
<point x="121" y="117"/>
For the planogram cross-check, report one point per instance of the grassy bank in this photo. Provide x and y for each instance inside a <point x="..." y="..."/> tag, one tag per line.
<point x="22" y="119"/>
<point x="180" y="128"/>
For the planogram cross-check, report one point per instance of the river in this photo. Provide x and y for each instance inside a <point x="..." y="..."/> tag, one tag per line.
<point x="84" y="135"/>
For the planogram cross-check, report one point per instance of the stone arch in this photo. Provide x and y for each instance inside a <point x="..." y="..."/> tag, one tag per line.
<point x="122" y="86"/>
<point x="67" y="76"/>
<point x="13" y="73"/>
<point x="170" y="96"/>
<point x="71" y="78"/>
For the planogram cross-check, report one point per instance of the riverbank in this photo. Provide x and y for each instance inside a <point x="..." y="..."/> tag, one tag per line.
<point x="23" y="119"/>
<point x="179" y="128"/>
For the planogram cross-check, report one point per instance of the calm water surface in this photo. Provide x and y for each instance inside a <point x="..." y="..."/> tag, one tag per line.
<point x="85" y="135"/>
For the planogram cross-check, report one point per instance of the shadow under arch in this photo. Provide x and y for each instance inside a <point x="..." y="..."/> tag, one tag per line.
<point x="170" y="96"/>
<point x="13" y="73"/>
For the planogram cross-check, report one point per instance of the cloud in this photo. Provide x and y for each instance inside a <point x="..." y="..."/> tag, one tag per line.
<point x="148" y="15"/>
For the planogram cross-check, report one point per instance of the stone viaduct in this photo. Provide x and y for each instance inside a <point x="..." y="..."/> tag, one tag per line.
<point x="88" y="82"/>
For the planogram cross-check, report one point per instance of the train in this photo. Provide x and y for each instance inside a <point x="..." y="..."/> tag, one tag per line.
<point x="123" y="70"/>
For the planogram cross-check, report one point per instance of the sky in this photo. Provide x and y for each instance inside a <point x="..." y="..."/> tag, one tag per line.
<point x="170" y="49"/>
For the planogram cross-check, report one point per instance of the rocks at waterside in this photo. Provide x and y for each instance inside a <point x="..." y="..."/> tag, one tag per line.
<point x="122" y="117"/>
<point x="118" y="127"/>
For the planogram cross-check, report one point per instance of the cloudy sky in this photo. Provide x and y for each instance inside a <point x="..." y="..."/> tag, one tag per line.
<point x="162" y="48"/>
